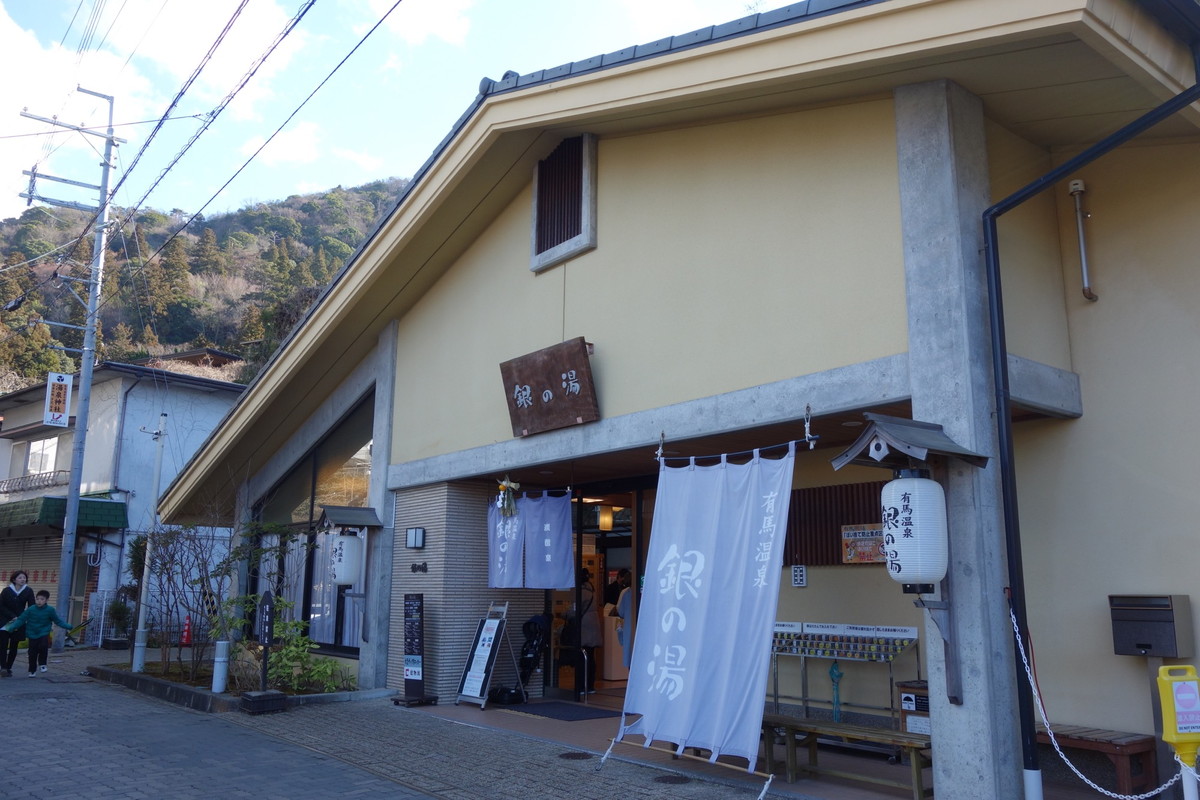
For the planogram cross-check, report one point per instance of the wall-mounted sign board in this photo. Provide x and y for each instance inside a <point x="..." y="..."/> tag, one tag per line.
<point x="551" y="388"/>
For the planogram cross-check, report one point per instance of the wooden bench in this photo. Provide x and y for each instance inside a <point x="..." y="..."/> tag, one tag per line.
<point x="1133" y="754"/>
<point x="804" y="732"/>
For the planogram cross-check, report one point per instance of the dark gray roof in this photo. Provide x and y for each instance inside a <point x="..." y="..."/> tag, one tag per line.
<point x="351" y="516"/>
<point x="754" y="23"/>
<point x="894" y="442"/>
<point x="165" y="378"/>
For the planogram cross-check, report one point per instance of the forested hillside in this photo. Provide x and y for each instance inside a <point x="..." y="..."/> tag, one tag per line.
<point x="236" y="282"/>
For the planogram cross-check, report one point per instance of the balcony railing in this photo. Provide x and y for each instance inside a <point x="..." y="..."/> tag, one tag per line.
<point x="42" y="480"/>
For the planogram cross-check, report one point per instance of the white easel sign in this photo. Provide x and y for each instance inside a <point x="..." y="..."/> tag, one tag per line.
<point x="58" y="400"/>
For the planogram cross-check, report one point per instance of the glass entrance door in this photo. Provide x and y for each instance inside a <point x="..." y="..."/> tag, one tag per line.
<point x="611" y="539"/>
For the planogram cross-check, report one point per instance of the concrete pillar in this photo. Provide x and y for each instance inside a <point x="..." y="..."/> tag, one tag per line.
<point x="943" y="191"/>
<point x="377" y="618"/>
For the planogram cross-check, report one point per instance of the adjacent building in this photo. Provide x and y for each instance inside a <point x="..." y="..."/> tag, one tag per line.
<point x="130" y="405"/>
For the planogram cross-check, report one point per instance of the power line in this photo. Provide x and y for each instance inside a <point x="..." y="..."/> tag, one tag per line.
<point x="182" y="90"/>
<point x="85" y="128"/>
<point x="282" y="125"/>
<point x="112" y="24"/>
<point x="71" y="24"/>
<point x="211" y="117"/>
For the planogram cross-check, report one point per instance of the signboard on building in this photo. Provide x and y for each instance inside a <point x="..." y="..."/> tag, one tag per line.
<point x="863" y="544"/>
<point x="551" y="388"/>
<point x="58" y="400"/>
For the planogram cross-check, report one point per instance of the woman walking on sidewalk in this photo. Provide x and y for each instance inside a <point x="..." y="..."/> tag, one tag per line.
<point x="39" y="619"/>
<point x="14" y="598"/>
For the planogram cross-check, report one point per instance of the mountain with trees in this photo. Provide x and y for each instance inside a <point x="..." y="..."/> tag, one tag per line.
<point x="236" y="282"/>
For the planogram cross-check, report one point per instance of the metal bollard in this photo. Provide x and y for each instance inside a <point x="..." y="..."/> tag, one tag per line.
<point x="220" y="667"/>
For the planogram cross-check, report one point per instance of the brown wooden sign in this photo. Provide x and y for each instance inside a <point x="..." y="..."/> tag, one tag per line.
<point x="550" y="389"/>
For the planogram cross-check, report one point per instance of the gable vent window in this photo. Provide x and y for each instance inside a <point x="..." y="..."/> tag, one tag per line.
<point x="564" y="202"/>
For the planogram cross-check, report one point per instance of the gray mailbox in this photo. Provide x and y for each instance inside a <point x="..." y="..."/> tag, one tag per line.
<point x="1151" y="625"/>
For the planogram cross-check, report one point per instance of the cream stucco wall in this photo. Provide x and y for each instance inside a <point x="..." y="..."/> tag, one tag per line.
<point x="785" y="227"/>
<point x="1029" y="238"/>
<point x="1108" y="501"/>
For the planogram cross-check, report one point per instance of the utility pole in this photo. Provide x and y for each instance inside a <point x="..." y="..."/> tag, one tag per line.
<point x="66" y="566"/>
<point x="143" y="633"/>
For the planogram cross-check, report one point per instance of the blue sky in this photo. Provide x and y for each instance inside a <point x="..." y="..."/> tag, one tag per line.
<point x="381" y="115"/>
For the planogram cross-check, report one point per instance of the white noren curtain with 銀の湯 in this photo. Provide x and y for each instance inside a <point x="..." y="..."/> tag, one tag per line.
<point x="701" y="654"/>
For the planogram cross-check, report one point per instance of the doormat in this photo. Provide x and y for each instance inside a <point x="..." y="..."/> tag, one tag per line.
<point x="565" y="712"/>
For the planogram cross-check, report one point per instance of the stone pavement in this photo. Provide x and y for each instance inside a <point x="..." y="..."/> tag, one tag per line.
<point x="69" y="736"/>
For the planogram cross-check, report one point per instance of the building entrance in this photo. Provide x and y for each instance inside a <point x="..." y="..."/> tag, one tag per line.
<point x="612" y="531"/>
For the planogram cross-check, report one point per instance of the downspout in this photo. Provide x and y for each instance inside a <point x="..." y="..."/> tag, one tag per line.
<point x="1000" y="372"/>
<point x="116" y="463"/>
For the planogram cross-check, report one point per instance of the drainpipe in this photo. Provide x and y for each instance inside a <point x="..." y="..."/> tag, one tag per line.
<point x="1003" y="411"/>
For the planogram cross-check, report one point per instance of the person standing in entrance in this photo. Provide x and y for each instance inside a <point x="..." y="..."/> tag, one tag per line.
<point x="589" y="632"/>
<point x="39" y="619"/>
<point x="612" y="592"/>
<point x="622" y="610"/>
<point x="14" y="598"/>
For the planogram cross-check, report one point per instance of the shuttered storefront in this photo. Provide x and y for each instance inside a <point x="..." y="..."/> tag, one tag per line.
<point x="38" y="556"/>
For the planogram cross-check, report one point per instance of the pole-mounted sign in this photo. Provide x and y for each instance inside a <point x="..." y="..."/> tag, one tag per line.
<point x="266" y="630"/>
<point x="58" y="400"/>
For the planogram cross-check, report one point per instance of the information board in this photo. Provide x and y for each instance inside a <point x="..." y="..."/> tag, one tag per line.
<point x="414" y="652"/>
<point x="836" y="640"/>
<point x="477" y="674"/>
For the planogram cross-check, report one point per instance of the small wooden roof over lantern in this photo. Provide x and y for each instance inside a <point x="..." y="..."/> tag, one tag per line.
<point x="345" y="548"/>
<point x="895" y="443"/>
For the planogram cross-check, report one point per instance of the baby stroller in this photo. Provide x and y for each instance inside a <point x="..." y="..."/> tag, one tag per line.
<point x="537" y="633"/>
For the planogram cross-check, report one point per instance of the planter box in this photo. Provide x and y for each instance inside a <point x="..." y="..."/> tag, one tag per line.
<point x="264" y="702"/>
<point x="114" y="644"/>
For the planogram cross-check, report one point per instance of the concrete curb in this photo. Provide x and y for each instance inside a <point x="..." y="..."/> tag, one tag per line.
<point x="205" y="700"/>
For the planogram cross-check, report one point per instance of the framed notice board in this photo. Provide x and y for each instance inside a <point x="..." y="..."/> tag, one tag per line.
<point x="477" y="674"/>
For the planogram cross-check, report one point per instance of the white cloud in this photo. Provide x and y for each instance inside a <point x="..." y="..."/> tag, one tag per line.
<point x="418" y="20"/>
<point x="180" y="36"/>
<point x="43" y="81"/>
<point x="365" y="161"/>
<point x="297" y="145"/>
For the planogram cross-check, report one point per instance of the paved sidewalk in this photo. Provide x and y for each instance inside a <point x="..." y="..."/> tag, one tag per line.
<point x="81" y="738"/>
<point x="69" y="737"/>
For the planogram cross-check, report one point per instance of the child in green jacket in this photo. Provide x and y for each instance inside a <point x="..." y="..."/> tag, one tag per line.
<point x="39" y="620"/>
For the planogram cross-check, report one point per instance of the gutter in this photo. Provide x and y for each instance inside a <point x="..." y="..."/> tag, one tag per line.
<point x="1000" y="372"/>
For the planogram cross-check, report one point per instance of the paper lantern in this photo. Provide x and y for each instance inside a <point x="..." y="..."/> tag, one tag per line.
<point x="345" y="564"/>
<point x="914" y="532"/>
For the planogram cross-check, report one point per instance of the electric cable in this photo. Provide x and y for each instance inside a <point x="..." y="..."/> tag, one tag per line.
<point x="187" y="84"/>
<point x="112" y="25"/>
<point x="87" y="128"/>
<point x="208" y="119"/>
<point x="282" y="125"/>
<point x="211" y="117"/>
<point x="63" y="41"/>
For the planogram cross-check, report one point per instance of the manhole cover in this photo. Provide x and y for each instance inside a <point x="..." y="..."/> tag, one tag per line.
<point x="575" y="756"/>
<point x="672" y="779"/>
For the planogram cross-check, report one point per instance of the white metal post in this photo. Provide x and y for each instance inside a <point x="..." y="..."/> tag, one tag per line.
<point x="143" y="633"/>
